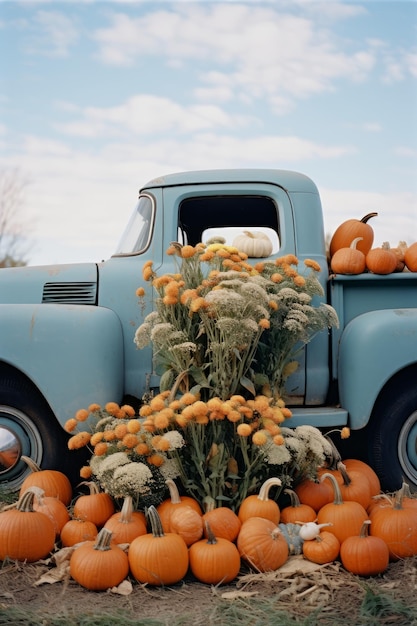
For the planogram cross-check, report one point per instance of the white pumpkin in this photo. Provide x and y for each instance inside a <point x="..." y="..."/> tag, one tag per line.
<point x="254" y="244"/>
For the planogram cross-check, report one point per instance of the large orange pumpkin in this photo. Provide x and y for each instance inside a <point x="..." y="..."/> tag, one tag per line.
<point x="53" y="482"/>
<point x="214" y="560"/>
<point x="349" y="230"/>
<point x="364" y="555"/>
<point x="262" y="545"/>
<point x="96" y="506"/>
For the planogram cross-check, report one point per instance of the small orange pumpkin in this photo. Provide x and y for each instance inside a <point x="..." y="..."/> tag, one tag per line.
<point x="126" y="524"/>
<point x="223" y="522"/>
<point x="345" y="516"/>
<point x="54" y="508"/>
<point x="187" y="523"/>
<point x="261" y="505"/>
<point x="77" y="531"/>
<point x="324" y="548"/>
<point x="348" y="260"/>
<point x="214" y="560"/>
<point x="350" y="230"/>
<point x="100" y="564"/>
<point x="364" y="555"/>
<point x="296" y="511"/>
<point x="53" y="482"/>
<point x="158" y="558"/>
<point x="381" y="261"/>
<point x="167" y="507"/>
<point x="96" y="506"/>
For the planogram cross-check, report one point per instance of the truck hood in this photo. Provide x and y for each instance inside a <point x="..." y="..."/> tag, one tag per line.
<point x="63" y="284"/>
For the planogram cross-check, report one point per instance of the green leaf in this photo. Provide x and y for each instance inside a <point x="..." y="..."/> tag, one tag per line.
<point x="166" y="380"/>
<point x="248" y="384"/>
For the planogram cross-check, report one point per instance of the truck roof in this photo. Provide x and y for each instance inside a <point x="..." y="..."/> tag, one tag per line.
<point x="287" y="179"/>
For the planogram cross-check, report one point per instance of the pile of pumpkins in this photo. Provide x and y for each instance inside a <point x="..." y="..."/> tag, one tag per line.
<point x="341" y="516"/>
<point x="351" y="251"/>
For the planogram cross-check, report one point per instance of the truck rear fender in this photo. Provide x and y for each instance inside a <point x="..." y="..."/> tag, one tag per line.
<point x="73" y="354"/>
<point x="373" y="348"/>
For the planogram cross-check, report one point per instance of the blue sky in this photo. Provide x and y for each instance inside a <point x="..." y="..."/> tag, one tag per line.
<point x="98" y="97"/>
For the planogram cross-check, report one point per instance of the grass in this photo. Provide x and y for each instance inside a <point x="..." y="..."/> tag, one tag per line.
<point x="376" y="609"/>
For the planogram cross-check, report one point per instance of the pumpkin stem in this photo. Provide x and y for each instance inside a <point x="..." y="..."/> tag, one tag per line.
<point x="92" y="486"/>
<point x="103" y="540"/>
<point x="173" y="491"/>
<point x="127" y="510"/>
<point x="266" y="486"/>
<point x="295" y="500"/>
<point x="249" y="234"/>
<point x="365" y="529"/>
<point x="211" y="539"/>
<point x="155" y="521"/>
<point x="343" y="470"/>
<point x="400" y="494"/>
<point x="337" y="493"/>
<point x="368" y="217"/>
<point x="355" y="242"/>
<point x="25" y="503"/>
<point x="30" y="463"/>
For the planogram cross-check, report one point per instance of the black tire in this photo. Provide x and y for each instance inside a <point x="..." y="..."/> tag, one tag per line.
<point x="27" y="420"/>
<point x="392" y="433"/>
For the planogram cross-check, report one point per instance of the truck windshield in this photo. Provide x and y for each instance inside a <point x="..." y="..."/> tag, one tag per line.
<point x="137" y="234"/>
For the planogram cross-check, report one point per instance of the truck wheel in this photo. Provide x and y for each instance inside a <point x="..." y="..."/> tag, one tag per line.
<point x="27" y="427"/>
<point x="392" y="435"/>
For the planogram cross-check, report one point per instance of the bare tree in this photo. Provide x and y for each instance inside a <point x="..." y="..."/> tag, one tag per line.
<point x="13" y="231"/>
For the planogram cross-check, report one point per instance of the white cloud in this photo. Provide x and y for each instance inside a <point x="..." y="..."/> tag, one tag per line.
<point x="52" y="33"/>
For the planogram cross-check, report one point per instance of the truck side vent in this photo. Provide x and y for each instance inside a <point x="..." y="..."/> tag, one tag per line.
<point x="69" y="293"/>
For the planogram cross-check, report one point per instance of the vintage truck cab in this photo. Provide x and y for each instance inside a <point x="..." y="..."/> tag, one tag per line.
<point x="67" y="331"/>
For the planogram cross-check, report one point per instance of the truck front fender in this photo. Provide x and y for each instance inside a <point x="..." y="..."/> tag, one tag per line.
<point x="374" y="346"/>
<point x="73" y="354"/>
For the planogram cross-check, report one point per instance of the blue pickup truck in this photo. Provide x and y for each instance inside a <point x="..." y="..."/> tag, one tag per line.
<point x="67" y="331"/>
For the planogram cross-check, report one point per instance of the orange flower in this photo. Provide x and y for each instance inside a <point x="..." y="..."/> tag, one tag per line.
<point x="142" y="449"/>
<point x="259" y="438"/>
<point x="161" y="421"/>
<point x="286" y="412"/>
<point x="130" y="440"/>
<point x="197" y="304"/>
<point x="244" y="430"/>
<point x="187" y="295"/>
<point x="120" y="431"/>
<point x="157" y="403"/>
<point x="96" y="438"/>
<point x="188" y="398"/>
<point x="100" y="449"/>
<point x="163" y="445"/>
<point x="70" y="425"/>
<point x="181" y="420"/>
<point x="109" y="435"/>
<point x="133" y="426"/>
<point x="145" y="410"/>
<point x="199" y="408"/>
<point x="140" y="292"/>
<point x="299" y="281"/>
<point x="234" y="416"/>
<point x="201" y="419"/>
<point x="148" y="425"/>
<point x="313" y="264"/>
<point x="345" y="432"/>
<point x="273" y="305"/>
<point x="156" y="459"/>
<point x="207" y="255"/>
<point x="276" y="277"/>
<point x="187" y="252"/>
<point x="81" y="415"/>
<point x="94" y="407"/>
<point x="170" y="300"/>
<point x="129" y="410"/>
<point x="79" y="440"/>
<point x="279" y="440"/>
<point x="264" y="323"/>
<point x="86" y="472"/>
<point x="112" y="408"/>
<point x="289" y="271"/>
<point x="259" y="267"/>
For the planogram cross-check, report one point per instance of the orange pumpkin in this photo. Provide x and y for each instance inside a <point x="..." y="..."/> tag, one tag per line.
<point x="25" y="534"/>
<point x="410" y="257"/>
<point x="215" y="560"/>
<point x="296" y="511"/>
<point x="187" y="523"/>
<point x="54" y="508"/>
<point x="397" y="526"/>
<point x="399" y="252"/>
<point x="126" y="524"/>
<point x="348" y="260"/>
<point x="167" y="507"/>
<point x="262" y="545"/>
<point x="53" y="482"/>
<point x="315" y="493"/>
<point x="100" y="564"/>
<point x="345" y="516"/>
<point x="381" y="261"/>
<point x="77" y="531"/>
<point x="223" y="522"/>
<point x="364" y="555"/>
<point x="355" y="486"/>
<point x="158" y="558"/>
<point x="322" y="549"/>
<point x="357" y="464"/>
<point x="96" y="506"/>
<point x="261" y="505"/>
<point x="350" y="230"/>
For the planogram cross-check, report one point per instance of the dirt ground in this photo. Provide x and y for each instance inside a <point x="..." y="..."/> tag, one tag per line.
<point x="299" y="589"/>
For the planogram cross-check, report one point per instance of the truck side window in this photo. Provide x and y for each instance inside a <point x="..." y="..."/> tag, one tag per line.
<point x="137" y="234"/>
<point x="201" y="218"/>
